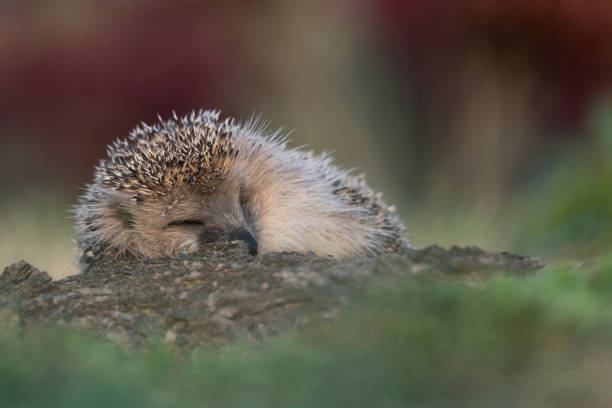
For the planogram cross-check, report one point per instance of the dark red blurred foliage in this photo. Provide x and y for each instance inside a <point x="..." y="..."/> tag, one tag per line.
<point x="72" y="84"/>
<point x="567" y="42"/>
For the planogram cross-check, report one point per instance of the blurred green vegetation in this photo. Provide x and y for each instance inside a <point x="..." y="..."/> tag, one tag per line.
<point x="536" y="341"/>
<point x="563" y="211"/>
<point x="567" y="210"/>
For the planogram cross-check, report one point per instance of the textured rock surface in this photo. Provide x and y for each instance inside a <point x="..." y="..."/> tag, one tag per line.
<point x="221" y="293"/>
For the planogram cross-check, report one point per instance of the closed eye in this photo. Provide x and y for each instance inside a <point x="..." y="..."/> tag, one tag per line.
<point x="185" y="222"/>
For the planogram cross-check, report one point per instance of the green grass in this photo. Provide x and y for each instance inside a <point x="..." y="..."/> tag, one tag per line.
<point x="536" y="341"/>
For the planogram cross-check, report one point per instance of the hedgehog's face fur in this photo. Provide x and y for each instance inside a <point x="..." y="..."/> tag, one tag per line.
<point x="182" y="220"/>
<point x="182" y="183"/>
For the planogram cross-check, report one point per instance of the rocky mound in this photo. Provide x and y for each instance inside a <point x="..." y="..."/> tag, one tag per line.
<point x="222" y="292"/>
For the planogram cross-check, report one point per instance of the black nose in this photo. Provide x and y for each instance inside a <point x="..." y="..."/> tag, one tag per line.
<point x="242" y="234"/>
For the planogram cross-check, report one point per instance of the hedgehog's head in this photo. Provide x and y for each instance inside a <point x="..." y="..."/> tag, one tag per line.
<point x="168" y="189"/>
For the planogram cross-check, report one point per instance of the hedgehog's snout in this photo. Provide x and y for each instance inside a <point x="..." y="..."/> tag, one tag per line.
<point x="242" y="234"/>
<point x="235" y="234"/>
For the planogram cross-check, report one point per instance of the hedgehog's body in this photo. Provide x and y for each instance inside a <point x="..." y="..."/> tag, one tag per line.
<point x="182" y="183"/>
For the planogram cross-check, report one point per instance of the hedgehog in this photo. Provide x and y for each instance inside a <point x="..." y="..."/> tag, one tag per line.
<point x="179" y="184"/>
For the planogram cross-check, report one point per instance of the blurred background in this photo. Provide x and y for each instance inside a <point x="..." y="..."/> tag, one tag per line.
<point x="484" y="122"/>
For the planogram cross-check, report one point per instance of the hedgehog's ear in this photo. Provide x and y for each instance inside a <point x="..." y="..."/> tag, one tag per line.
<point x="119" y="208"/>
